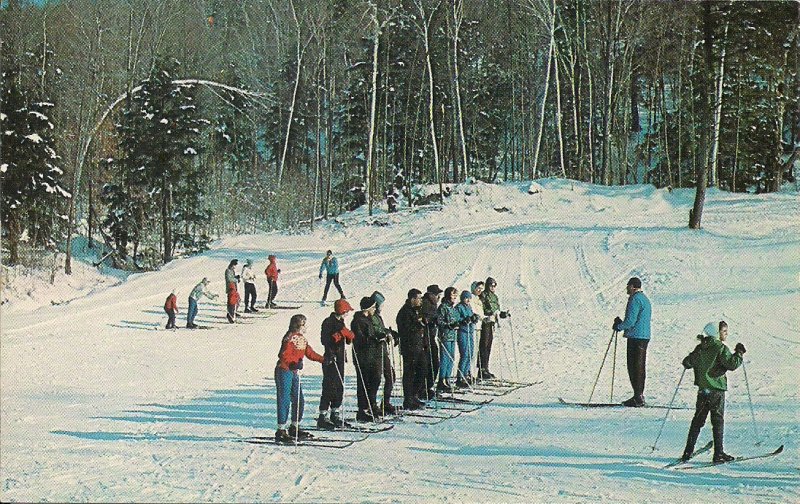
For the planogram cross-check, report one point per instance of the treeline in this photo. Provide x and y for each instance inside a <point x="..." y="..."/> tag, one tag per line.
<point x="154" y="125"/>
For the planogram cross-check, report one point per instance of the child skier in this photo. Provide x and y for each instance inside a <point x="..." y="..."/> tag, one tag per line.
<point x="710" y="360"/>
<point x="171" y="307"/>
<point x="287" y="380"/>
<point x="272" y="279"/>
<point x="334" y="336"/>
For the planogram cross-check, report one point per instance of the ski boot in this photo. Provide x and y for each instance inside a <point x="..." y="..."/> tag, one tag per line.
<point x="324" y="423"/>
<point x="281" y="436"/>
<point x="298" y="433"/>
<point x="336" y="419"/>
<point x="722" y="457"/>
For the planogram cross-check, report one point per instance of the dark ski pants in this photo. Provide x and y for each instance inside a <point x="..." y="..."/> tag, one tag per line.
<point x="273" y="292"/>
<point x="485" y="345"/>
<point x="388" y="374"/>
<point x="232" y="312"/>
<point x="249" y="295"/>
<point x="171" y="321"/>
<point x="368" y="380"/>
<point x="335" y="279"/>
<point x="414" y="369"/>
<point x="637" y="365"/>
<point x="432" y="363"/>
<point x="708" y="401"/>
<point x="287" y="385"/>
<point x="332" y="386"/>
<point x="191" y="313"/>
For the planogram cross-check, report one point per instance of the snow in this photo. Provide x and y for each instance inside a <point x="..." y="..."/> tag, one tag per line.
<point x="190" y="151"/>
<point x="98" y="405"/>
<point x="34" y="137"/>
<point x="3" y="167"/>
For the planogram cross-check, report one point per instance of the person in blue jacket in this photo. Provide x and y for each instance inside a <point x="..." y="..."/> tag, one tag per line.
<point x="466" y="339"/>
<point x="330" y="265"/>
<point x="636" y="327"/>
<point x="448" y="320"/>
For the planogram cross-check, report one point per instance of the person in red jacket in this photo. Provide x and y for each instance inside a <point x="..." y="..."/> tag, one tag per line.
<point x="233" y="301"/>
<point x="287" y="379"/>
<point x="334" y="336"/>
<point x="272" y="279"/>
<point x="171" y="307"/>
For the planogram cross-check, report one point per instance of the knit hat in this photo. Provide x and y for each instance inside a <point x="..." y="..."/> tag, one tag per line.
<point x="466" y="295"/>
<point x="434" y="289"/>
<point x="711" y="330"/>
<point x="205" y="280"/>
<point x="233" y="263"/>
<point x="366" y="303"/>
<point x="249" y="262"/>
<point x="635" y="283"/>
<point x="490" y="281"/>
<point x="341" y="306"/>
<point x="475" y="285"/>
<point x="378" y="297"/>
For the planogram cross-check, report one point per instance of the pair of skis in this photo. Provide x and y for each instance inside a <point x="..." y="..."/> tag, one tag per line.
<point x="685" y="465"/>
<point x="319" y="442"/>
<point x="616" y="405"/>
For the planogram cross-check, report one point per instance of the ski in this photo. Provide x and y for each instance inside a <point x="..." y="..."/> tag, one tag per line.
<point x="462" y="407"/>
<point x="737" y="459"/>
<point x="502" y="382"/>
<point x="305" y="442"/>
<point x="697" y="452"/>
<point x="283" y="307"/>
<point x="460" y="400"/>
<point x="352" y="428"/>
<point x="618" y="405"/>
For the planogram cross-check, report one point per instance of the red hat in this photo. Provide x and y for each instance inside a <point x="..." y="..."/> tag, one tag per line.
<point x="341" y="306"/>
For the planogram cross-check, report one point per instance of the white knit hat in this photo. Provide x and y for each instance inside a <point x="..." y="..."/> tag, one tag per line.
<point x="711" y="330"/>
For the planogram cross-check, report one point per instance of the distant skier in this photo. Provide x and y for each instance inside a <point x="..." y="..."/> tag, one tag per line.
<point x="491" y="308"/>
<point x="367" y="358"/>
<point x="171" y="307"/>
<point x="272" y="272"/>
<point x="230" y="275"/>
<point x="637" y="330"/>
<point x="233" y="302"/>
<point x="413" y="348"/>
<point x="448" y="320"/>
<point x="330" y="265"/>
<point x="334" y="336"/>
<point x="430" y="303"/>
<point x="710" y="360"/>
<point x="477" y="288"/>
<point x="198" y="291"/>
<point x="287" y="379"/>
<point x="249" y="277"/>
<point x="387" y="367"/>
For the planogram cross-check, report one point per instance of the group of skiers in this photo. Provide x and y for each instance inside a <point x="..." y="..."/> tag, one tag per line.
<point x="429" y="327"/>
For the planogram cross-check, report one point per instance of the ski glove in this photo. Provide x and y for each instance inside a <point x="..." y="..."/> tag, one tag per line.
<point x="740" y="349"/>
<point x="475" y="318"/>
<point x="617" y="322"/>
<point x="505" y="314"/>
<point x="454" y="325"/>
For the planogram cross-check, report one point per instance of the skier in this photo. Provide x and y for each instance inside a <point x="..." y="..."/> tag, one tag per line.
<point x="287" y="379"/>
<point x="448" y="320"/>
<point x="367" y="358"/>
<point x="389" y="336"/>
<point x="413" y="348"/>
<point x="272" y="279"/>
<point x="430" y="303"/>
<point x="465" y="339"/>
<point x="491" y="308"/>
<point x="334" y="336"/>
<point x="711" y="359"/>
<point x="477" y="288"/>
<point x="249" y="277"/>
<point x="331" y="266"/>
<point x="171" y="307"/>
<point x="230" y="274"/>
<point x="233" y="302"/>
<point x="198" y="291"/>
<point x="637" y="330"/>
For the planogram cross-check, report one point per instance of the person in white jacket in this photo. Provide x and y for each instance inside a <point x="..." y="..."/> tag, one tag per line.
<point x="249" y="278"/>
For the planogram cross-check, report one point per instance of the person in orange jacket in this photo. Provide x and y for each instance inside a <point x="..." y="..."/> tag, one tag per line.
<point x="171" y="307"/>
<point x="287" y="380"/>
<point x="233" y="301"/>
<point x="272" y="279"/>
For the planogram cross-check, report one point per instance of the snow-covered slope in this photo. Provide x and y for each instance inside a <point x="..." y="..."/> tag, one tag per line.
<point x="98" y="405"/>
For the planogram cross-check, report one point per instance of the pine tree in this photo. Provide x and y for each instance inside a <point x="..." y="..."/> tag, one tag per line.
<point x="30" y="173"/>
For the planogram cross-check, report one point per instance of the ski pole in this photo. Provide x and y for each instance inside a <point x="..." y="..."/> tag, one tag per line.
<point x="613" y="335"/>
<point x="296" y="415"/>
<point x="514" y="347"/>
<point x="363" y="384"/>
<point x="613" y="367"/>
<point x="663" y="422"/>
<point x="750" y="398"/>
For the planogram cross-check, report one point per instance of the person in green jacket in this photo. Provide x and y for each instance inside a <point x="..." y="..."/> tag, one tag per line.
<point x="491" y="309"/>
<point x="711" y="359"/>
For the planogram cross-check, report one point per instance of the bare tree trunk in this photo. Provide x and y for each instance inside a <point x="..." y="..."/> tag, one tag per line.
<point x="425" y="28"/>
<point x="299" y="66"/>
<point x="718" y="113"/>
<point x="372" y="107"/>
<point x="544" y="99"/>
<point x="696" y="215"/>
<point x="558" y="119"/>
<point x="458" y="17"/>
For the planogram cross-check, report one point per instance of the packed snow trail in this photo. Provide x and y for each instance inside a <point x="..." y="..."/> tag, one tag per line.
<point x="96" y="405"/>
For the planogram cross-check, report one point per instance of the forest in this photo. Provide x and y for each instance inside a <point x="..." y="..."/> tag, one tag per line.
<point x="155" y="126"/>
